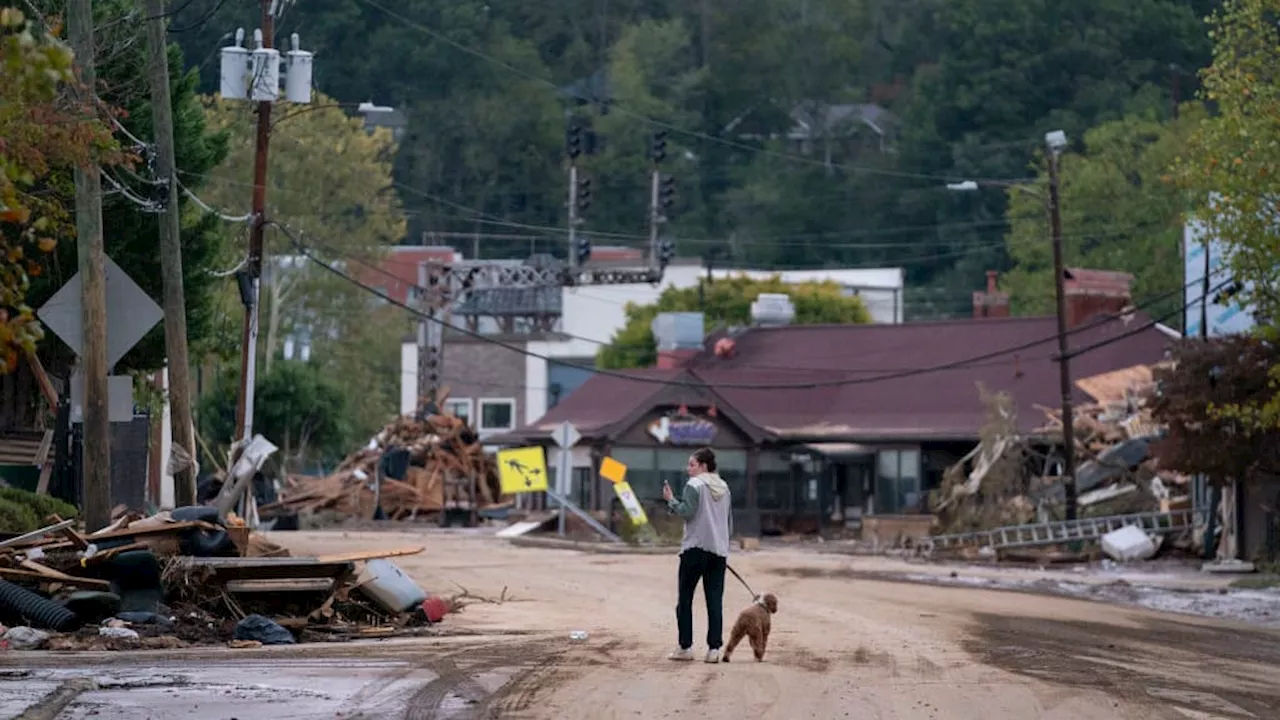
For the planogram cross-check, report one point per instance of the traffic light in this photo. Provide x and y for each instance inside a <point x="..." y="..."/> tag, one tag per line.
<point x="573" y="139"/>
<point x="582" y="249"/>
<point x="584" y="194"/>
<point x="666" y="252"/>
<point x="658" y="151"/>
<point x="667" y="192"/>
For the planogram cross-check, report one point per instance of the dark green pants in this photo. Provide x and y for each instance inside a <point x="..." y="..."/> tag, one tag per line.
<point x="698" y="564"/>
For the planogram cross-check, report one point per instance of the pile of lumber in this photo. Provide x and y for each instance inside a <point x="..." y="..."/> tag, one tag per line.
<point x="447" y="469"/>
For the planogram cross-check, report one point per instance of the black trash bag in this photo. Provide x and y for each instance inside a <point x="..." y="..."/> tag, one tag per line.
<point x="264" y="630"/>
<point x="146" y="618"/>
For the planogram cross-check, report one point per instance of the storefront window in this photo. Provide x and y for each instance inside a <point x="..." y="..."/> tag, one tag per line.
<point x="732" y="465"/>
<point x="642" y="473"/>
<point x="897" y="482"/>
<point x="773" y="483"/>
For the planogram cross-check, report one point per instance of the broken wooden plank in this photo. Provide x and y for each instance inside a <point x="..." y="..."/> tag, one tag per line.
<point x="281" y="586"/>
<point x="359" y="555"/>
<point x="77" y="540"/>
<point x="19" y="574"/>
<point x="265" y="568"/>
<point x="49" y="573"/>
<point x="36" y="534"/>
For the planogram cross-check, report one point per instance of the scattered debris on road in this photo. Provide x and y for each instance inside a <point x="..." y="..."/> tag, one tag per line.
<point x="190" y="577"/>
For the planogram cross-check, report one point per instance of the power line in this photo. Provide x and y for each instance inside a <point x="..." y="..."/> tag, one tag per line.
<point x="675" y="383"/>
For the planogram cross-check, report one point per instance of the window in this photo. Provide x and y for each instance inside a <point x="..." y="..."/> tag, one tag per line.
<point x="497" y="414"/>
<point x="773" y="481"/>
<point x="460" y="407"/>
<point x="897" y="482"/>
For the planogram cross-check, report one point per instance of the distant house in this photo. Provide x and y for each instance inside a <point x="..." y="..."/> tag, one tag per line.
<point x="376" y="116"/>
<point x="867" y="427"/>
<point x="823" y="128"/>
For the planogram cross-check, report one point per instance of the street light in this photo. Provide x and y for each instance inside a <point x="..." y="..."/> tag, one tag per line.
<point x="1056" y="143"/>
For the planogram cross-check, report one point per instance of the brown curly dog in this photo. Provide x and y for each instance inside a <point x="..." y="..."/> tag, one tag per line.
<point x="754" y="623"/>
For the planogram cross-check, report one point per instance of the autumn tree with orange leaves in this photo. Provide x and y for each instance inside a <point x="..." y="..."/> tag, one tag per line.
<point x="43" y="131"/>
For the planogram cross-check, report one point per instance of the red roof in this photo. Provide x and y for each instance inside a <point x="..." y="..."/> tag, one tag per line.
<point x="931" y="405"/>
<point x="937" y="404"/>
<point x="397" y="274"/>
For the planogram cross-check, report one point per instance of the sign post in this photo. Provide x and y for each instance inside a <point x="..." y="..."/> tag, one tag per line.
<point x="566" y="436"/>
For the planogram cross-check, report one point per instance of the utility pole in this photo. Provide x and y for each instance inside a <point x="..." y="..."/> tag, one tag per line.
<point x="657" y="153"/>
<point x="1056" y="142"/>
<point x="249" y="333"/>
<point x="573" y="148"/>
<point x="175" y="311"/>
<point x="430" y="340"/>
<point x="96" y="461"/>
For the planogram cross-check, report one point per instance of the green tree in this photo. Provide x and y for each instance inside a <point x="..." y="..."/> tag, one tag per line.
<point x="130" y="232"/>
<point x="726" y="302"/>
<point x="1232" y="161"/>
<point x="1007" y="71"/>
<point x="1121" y="210"/>
<point x="296" y="407"/>
<point x="1231" y="165"/>
<point x="329" y="182"/>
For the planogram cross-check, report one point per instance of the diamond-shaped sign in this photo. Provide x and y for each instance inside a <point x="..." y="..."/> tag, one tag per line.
<point x="131" y="314"/>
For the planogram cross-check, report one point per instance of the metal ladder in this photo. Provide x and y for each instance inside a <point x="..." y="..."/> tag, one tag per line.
<point x="1064" y="530"/>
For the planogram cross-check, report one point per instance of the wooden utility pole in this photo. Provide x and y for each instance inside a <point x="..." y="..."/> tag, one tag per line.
<point x="96" y="458"/>
<point x="253" y="268"/>
<point x="175" y="308"/>
<point x="249" y="334"/>
<point x="1064" y="364"/>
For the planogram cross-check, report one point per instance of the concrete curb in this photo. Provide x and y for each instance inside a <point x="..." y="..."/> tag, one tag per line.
<point x="598" y="548"/>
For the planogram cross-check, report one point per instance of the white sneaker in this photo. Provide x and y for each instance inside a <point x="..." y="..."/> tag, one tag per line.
<point x="681" y="654"/>
<point x="713" y="655"/>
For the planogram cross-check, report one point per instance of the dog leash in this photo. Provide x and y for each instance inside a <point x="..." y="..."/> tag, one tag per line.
<point x="744" y="582"/>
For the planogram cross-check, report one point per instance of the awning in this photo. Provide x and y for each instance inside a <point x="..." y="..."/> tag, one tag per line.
<point x="842" y="451"/>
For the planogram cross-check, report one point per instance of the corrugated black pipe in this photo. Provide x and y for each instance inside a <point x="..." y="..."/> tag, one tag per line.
<point x="35" y="609"/>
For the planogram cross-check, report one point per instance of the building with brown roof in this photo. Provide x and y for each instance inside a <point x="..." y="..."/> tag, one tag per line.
<point x="830" y="423"/>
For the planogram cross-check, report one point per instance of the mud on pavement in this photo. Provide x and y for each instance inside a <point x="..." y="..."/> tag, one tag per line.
<point x="1221" y="671"/>
<point x="471" y="680"/>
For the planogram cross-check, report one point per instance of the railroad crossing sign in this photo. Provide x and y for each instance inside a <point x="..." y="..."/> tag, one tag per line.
<point x="522" y="470"/>
<point x="131" y="313"/>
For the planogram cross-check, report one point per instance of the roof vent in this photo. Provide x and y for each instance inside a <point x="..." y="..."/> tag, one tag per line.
<point x="678" y="331"/>
<point x="772" y="309"/>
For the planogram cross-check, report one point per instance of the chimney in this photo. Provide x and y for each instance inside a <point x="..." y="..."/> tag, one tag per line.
<point x="991" y="303"/>
<point x="1091" y="293"/>
<point x="679" y="337"/>
<point x="772" y="309"/>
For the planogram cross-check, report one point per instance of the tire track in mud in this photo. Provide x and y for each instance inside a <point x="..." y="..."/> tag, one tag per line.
<point x="532" y="667"/>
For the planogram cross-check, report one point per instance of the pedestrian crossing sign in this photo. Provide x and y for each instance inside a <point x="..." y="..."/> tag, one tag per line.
<point x="632" y="504"/>
<point x="522" y="470"/>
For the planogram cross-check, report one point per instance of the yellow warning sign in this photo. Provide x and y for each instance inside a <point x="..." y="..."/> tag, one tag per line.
<point x="522" y="470"/>
<point x="612" y="470"/>
<point x="630" y="502"/>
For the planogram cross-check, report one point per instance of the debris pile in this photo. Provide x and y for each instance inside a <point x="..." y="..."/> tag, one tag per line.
<point x="441" y="465"/>
<point x="188" y="576"/>
<point x="1010" y="479"/>
<point x="1115" y="471"/>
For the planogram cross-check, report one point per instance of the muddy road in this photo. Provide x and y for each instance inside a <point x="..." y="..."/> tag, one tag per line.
<point x="841" y="647"/>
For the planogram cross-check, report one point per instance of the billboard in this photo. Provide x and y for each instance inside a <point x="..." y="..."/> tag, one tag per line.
<point x="1225" y="316"/>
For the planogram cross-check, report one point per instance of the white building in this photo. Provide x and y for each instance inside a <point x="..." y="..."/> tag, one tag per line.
<point x="591" y="315"/>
